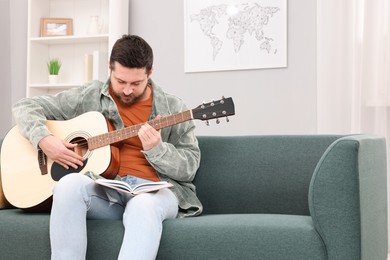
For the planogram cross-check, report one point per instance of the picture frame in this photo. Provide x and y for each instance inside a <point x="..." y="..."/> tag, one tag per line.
<point x="222" y="35"/>
<point x="56" y="27"/>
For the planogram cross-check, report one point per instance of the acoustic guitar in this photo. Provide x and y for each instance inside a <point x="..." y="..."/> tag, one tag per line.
<point x="28" y="176"/>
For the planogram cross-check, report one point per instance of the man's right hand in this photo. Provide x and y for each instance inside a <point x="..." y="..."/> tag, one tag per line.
<point x="61" y="152"/>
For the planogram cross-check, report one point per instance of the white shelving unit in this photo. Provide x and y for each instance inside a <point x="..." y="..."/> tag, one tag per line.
<point x="73" y="48"/>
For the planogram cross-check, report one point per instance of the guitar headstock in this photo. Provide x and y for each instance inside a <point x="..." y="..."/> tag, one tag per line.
<point x="215" y="109"/>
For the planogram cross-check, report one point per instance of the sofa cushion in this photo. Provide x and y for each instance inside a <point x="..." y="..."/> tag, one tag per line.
<point x="26" y="236"/>
<point x="245" y="236"/>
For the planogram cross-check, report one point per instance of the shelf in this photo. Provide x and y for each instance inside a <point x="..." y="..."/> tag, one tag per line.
<point x="55" y="86"/>
<point x="70" y="39"/>
<point x="73" y="49"/>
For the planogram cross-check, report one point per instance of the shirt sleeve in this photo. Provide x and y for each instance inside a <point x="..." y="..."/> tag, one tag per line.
<point x="32" y="113"/>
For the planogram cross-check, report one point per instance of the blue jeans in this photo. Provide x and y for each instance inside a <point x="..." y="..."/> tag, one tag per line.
<point x="77" y="198"/>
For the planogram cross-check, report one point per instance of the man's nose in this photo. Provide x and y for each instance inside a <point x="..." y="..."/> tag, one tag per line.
<point x="127" y="90"/>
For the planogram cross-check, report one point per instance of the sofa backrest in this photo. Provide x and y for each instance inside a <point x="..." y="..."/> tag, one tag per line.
<point x="258" y="174"/>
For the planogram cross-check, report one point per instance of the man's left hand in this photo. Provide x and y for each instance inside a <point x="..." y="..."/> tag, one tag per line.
<point x="149" y="136"/>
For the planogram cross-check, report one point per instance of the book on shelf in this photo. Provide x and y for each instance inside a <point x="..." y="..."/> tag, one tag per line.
<point x="100" y="65"/>
<point x="88" y="66"/>
<point x="134" y="190"/>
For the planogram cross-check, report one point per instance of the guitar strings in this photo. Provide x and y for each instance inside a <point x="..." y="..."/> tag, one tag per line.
<point x="156" y="123"/>
<point x="81" y="143"/>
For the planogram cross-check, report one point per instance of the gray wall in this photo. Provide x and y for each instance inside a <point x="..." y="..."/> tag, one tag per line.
<point x="268" y="101"/>
<point x="5" y="70"/>
<point x="13" y="53"/>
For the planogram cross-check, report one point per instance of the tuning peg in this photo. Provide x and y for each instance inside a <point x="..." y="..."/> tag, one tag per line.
<point x="207" y="122"/>
<point x="227" y="119"/>
<point x="217" y="121"/>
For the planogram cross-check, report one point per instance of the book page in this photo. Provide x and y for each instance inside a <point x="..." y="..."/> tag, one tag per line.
<point x="151" y="186"/>
<point x="138" y="189"/>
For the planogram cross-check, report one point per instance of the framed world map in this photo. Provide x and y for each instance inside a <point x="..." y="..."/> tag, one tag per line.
<point x="235" y="34"/>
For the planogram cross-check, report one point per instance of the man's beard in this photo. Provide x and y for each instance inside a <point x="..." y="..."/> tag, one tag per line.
<point x="129" y="100"/>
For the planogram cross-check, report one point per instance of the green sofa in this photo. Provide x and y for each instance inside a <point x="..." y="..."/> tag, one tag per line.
<point x="265" y="197"/>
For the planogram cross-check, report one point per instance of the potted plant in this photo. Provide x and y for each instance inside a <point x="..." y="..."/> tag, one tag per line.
<point x="53" y="66"/>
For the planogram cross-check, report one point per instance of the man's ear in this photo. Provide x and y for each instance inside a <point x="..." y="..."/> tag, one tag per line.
<point x="150" y="72"/>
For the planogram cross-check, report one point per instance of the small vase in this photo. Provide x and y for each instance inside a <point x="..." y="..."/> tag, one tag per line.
<point x="53" y="79"/>
<point x="95" y="25"/>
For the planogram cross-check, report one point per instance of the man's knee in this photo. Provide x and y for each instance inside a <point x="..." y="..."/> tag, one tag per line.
<point x="142" y="205"/>
<point x="70" y="183"/>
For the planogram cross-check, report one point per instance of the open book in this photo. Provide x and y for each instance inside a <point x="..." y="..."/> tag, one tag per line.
<point x="135" y="190"/>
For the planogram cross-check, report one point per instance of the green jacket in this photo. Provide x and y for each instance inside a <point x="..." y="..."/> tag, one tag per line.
<point x="176" y="159"/>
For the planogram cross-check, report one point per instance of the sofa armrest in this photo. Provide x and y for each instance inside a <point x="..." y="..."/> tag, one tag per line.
<point x="348" y="198"/>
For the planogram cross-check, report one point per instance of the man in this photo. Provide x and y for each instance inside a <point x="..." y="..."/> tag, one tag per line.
<point x="172" y="154"/>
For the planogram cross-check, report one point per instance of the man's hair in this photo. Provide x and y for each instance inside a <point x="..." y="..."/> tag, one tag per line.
<point x="131" y="51"/>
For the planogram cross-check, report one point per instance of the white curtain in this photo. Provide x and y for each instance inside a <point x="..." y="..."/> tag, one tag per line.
<point x="353" y="67"/>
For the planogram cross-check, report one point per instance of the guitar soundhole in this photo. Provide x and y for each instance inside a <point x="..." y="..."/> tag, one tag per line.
<point x="57" y="171"/>
<point x="82" y="146"/>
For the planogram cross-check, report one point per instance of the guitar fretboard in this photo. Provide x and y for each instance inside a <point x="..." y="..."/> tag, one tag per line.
<point x="131" y="131"/>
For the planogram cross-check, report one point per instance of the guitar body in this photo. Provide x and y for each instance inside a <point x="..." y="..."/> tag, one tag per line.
<point x="24" y="184"/>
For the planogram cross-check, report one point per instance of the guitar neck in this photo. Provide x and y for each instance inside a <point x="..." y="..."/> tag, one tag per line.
<point x="131" y="131"/>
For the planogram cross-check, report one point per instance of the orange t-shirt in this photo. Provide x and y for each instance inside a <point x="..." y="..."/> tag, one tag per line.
<point x="132" y="160"/>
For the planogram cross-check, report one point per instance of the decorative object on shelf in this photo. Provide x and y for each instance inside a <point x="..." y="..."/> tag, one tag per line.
<point x="95" y="25"/>
<point x="53" y="67"/>
<point x="56" y="27"/>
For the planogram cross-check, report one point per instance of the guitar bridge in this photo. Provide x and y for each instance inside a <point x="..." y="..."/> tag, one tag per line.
<point x="42" y="161"/>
